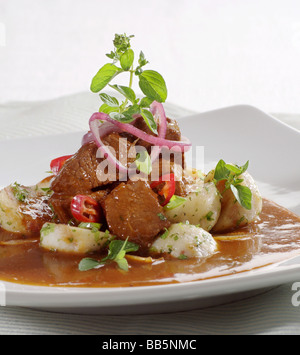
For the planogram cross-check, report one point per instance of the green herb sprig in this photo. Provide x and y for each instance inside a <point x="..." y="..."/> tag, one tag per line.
<point x="231" y="174"/>
<point x="116" y="253"/>
<point x="151" y="83"/>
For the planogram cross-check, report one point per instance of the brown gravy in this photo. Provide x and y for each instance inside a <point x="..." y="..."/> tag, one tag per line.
<point x="274" y="237"/>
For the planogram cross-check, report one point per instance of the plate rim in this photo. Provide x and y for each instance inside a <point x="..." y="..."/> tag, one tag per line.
<point x="288" y="273"/>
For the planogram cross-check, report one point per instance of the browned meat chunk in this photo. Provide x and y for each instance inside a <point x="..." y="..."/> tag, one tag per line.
<point x="78" y="175"/>
<point x="132" y="210"/>
<point x="81" y="173"/>
<point x="62" y="204"/>
<point x="173" y="132"/>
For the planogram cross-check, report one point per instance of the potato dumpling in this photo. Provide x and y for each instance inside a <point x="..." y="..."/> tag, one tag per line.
<point x="73" y="240"/>
<point x="185" y="241"/>
<point x="21" y="206"/>
<point x="202" y="206"/>
<point x="11" y="219"/>
<point x="233" y="214"/>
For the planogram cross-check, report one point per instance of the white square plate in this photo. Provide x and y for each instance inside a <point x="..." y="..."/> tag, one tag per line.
<point x="235" y="134"/>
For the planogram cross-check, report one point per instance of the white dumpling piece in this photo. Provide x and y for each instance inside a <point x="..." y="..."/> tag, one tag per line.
<point x="202" y="206"/>
<point x="233" y="214"/>
<point x="10" y="217"/>
<point x="19" y="204"/>
<point x="185" y="241"/>
<point x="72" y="240"/>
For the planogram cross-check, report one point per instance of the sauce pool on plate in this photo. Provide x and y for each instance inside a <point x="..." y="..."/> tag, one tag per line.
<point x="274" y="237"/>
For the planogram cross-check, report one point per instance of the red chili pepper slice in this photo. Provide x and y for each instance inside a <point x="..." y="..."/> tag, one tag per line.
<point x="58" y="163"/>
<point x="168" y="189"/>
<point x="85" y="209"/>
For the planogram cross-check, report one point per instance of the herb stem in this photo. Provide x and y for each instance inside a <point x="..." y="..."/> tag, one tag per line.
<point x="130" y="83"/>
<point x="131" y="77"/>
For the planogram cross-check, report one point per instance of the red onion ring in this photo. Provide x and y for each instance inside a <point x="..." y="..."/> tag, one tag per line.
<point x="157" y="141"/>
<point x="106" y="128"/>
<point x="157" y="109"/>
<point x="99" y="129"/>
<point x="87" y="138"/>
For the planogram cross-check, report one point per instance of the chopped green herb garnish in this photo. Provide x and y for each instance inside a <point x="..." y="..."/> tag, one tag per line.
<point x="165" y="234"/>
<point x="175" y="202"/>
<point x="209" y="216"/>
<point x="91" y="226"/>
<point x="175" y="236"/>
<point x="47" y="229"/>
<point x="20" y="193"/>
<point x="162" y="217"/>
<point x="47" y="190"/>
<point x="240" y="221"/>
<point x="182" y="257"/>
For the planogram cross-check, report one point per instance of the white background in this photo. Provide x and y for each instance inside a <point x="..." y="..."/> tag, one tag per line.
<point x="212" y="53"/>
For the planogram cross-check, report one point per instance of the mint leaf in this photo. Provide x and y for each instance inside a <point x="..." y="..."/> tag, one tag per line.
<point x="88" y="264"/>
<point x="149" y="119"/>
<point x="237" y="170"/>
<point x="153" y="85"/>
<point x="111" y="55"/>
<point x="234" y="169"/>
<point x="122" y="263"/>
<point x="126" y="59"/>
<point x="108" y="109"/>
<point x="221" y="172"/>
<point x="118" y="249"/>
<point x="125" y="91"/>
<point x="145" y="102"/>
<point x="121" y="117"/>
<point x="243" y="195"/>
<point x="109" y="100"/>
<point x="104" y="76"/>
<point x="142" y="60"/>
<point x="244" y="167"/>
<point x="132" y="110"/>
<point x="231" y="173"/>
<point x="117" y="116"/>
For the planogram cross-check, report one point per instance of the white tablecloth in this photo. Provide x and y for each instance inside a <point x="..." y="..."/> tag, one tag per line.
<point x="269" y="313"/>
